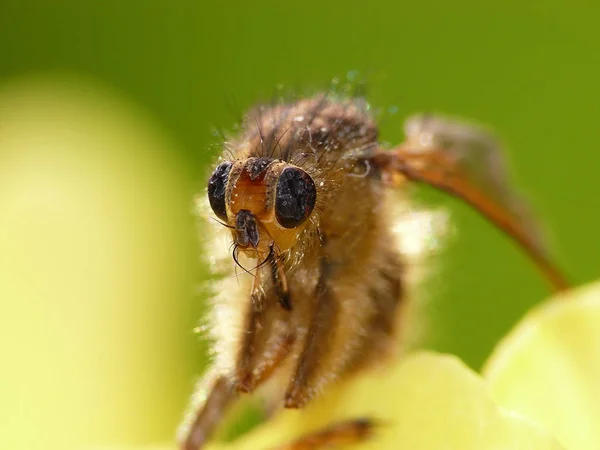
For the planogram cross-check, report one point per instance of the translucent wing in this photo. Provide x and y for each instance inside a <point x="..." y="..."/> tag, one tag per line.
<point x="466" y="161"/>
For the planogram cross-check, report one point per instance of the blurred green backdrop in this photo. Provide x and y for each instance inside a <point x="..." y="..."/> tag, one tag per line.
<point x="106" y="111"/>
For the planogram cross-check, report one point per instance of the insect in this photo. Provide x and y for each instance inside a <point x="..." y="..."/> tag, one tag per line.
<point x="303" y="193"/>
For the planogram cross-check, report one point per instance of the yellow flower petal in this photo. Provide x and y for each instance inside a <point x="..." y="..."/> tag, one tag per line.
<point x="92" y="223"/>
<point x="548" y="368"/>
<point x="426" y="401"/>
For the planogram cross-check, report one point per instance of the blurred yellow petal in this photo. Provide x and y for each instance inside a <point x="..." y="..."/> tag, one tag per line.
<point x="548" y="368"/>
<point x="426" y="401"/>
<point x="93" y="252"/>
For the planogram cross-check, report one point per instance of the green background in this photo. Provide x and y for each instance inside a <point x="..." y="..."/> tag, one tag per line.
<point x="530" y="69"/>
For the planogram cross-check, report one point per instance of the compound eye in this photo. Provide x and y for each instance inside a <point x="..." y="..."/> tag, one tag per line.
<point x="295" y="197"/>
<point x="216" y="189"/>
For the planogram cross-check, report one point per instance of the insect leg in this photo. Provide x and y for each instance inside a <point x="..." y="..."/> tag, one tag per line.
<point x="212" y="397"/>
<point x="303" y="386"/>
<point x="281" y="283"/>
<point x="275" y="352"/>
<point x="267" y="338"/>
<point x="343" y="433"/>
<point x="251" y="338"/>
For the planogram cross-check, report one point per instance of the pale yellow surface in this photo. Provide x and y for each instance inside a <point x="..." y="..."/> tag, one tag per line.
<point x="548" y="368"/>
<point x="427" y="401"/>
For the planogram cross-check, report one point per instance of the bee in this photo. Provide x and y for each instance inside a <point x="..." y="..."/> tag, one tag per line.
<point x="304" y="193"/>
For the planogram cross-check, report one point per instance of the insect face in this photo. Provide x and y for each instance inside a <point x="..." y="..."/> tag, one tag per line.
<point x="266" y="202"/>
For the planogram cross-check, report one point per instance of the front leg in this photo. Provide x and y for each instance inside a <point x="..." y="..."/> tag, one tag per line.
<point x="210" y="401"/>
<point x="267" y="338"/>
<point x="307" y="377"/>
<point x="262" y="344"/>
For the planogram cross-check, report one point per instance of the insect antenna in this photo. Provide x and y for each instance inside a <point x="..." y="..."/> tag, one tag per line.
<point x="222" y="223"/>
<point x="279" y="277"/>
<point x="281" y="283"/>
<point x="234" y="255"/>
<point x="266" y="260"/>
<point x="235" y="266"/>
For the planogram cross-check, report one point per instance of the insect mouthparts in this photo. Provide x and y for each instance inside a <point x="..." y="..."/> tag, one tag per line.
<point x="246" y="230"/>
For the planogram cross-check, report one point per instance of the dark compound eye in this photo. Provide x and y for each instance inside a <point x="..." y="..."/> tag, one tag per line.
<point x="216" y="189"/>
<point x="295" y="197"/>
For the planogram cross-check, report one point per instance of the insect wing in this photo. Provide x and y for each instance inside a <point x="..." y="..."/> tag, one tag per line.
<point x="466" y="161"/>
